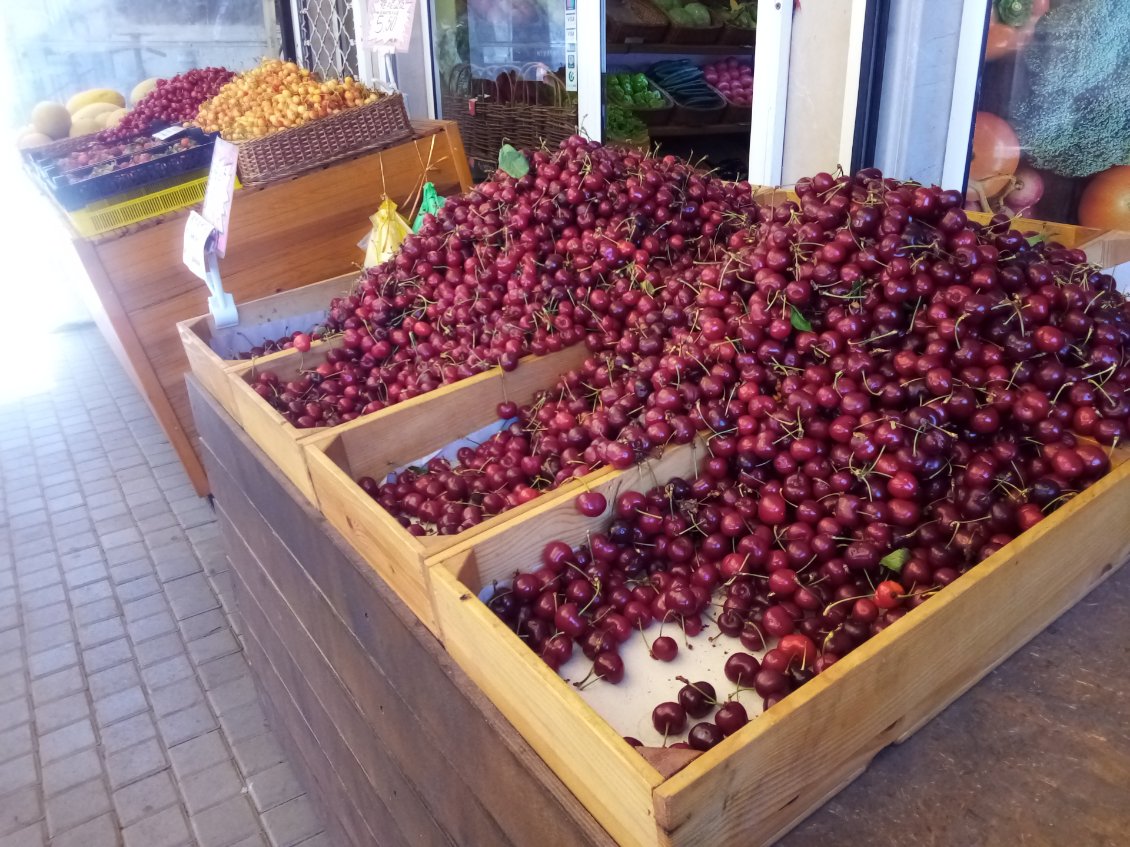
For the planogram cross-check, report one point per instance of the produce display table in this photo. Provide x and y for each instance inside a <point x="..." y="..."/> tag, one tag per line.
<point x="399" y="746"/>
<point x="283" y="235"/>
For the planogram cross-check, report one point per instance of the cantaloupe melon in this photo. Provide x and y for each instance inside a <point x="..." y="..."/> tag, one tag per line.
<point x="141" y="89"/>
<point x="33" y="139"/>
<point x="94" y="111"/>
<point x="51" y="119"/>
<point x="84" y="126"/>
<point x="111" y="119"/>
<point x="95" y="95"/>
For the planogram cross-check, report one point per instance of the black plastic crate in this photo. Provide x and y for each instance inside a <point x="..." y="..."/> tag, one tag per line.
<point x="75" y="189"/>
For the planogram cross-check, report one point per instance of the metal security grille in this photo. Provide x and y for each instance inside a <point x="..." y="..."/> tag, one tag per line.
<point x="327" y="37"/>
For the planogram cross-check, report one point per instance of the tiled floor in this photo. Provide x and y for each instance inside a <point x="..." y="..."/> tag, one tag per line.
<point x="127" y="710"/>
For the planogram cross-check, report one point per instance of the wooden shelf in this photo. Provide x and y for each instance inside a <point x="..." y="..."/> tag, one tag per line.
<point x="682" y="49"/>
<point x="672" y="131"/>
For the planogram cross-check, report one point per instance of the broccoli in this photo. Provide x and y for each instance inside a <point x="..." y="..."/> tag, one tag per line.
<point x="1074" y="119"/>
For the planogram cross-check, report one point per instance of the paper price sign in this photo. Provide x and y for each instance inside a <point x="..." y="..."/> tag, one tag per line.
<point x="390" y="24"/>
<point x="218" y="195"/>
<point x="197" y="231"/>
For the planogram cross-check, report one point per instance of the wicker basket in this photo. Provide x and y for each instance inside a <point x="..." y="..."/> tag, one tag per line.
<point x="293" y="151"/>
<point x="502" y="105"/>
<point x="634" y="22"/>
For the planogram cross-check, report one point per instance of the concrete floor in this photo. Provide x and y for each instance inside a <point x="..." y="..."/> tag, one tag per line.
<point x="127" y="710"/>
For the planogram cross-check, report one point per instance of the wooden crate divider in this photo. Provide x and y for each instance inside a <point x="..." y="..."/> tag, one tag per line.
<point x="198" y="334"/>
<point x="759" y="783"/>
<point x="380" y="443"/>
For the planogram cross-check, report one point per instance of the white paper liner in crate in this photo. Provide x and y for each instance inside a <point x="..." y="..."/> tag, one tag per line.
<point x="231" y="342"/>
<point x="648" y="682"/>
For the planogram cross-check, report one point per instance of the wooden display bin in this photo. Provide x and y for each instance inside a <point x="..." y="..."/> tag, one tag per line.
<point x="210" y="351"/>
<point x="387" y="440"/>
<point x="763" y="780"/>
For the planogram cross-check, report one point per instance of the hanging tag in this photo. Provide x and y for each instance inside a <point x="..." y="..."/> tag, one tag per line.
<point x="471" y="107"/>
<point x="221" y="186"/>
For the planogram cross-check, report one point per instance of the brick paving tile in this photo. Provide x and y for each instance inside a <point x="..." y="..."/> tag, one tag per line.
<point x="63" y="742"/>
<point x="30" y="836"/>
<point x="66" y="773"/>
<point x="292" y="822"/>
<point x="128" y="732"/>
<point x="16" y="773"/>
<point x="274" y="786"/>
<point x="61" y="712"/>
<point x="211" y="786"/>
<point x="132" y="763"/>
<point x="119" y="677"/>
<point x="258" y="753"/>
<point x="164" y="829"/>
<point x="225" y="823"/>
<point x="59" y="684"/>
<point x="142" y="798"/>
<point x="186" y="724"/>
<point x="100" y="832"/>
<point x="123" y="704"/>
<point x="16" y="742"/>
<point x="195" y="755"/>
<point x="76" y="805"/>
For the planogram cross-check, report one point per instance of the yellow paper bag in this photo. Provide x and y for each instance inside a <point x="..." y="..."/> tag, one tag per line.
<point x="389" y="229"/>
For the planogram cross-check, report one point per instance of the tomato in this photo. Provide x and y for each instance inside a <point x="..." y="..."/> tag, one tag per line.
<point x="1105" y="203"/>
<point x="996" y="153"/>
<point x="1003" y="39"/>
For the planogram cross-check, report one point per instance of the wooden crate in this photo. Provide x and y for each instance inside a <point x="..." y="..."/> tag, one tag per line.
<point x="387" y="440"/>
<point x="209" y="350"/>
<point x="763" y="780"/>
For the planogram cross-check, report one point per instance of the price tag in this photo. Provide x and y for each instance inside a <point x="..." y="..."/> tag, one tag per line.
<point x="168" y="132"/>
<point x="390" y="24"/>
<point x="197" y="231"/>
<point x="218" y="195"/>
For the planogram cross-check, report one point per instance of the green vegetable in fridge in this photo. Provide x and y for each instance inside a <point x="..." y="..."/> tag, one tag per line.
<point x="622" y="125"/>
<point x="668" y="5"/>
<point x="742" y="15"/>
<point x="1073" y="118"/>
<point x="698" y="14"/>
<point x="632" y="90"/>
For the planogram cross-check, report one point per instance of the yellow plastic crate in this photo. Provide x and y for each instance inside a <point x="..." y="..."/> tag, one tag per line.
<point x="115" y="212"/>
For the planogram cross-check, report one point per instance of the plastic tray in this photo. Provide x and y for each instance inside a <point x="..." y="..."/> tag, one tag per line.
<point x="73" y="196"/>
<point x="117" y="212"/>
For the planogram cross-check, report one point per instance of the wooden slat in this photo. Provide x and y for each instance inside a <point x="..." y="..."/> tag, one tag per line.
<point x="129" y="347"/>
<point x="610" y="778"/>
<point x="317" y="770"/>
<point x="374" y="782"/>
<point x="377" y="724"/>
<point x="379" y="443"/>
<point x="511" y="547"/>
<point x="757" y="784"/>
<point x="377" y="728"/>
<point x="522" y="792"/>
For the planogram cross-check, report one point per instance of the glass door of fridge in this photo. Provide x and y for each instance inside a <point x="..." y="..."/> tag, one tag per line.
<point x="500" y="72"/>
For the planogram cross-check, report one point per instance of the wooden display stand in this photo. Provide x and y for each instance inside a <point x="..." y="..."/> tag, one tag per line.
<point x="283" y="235"/>
<point x="397" y="745"/>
